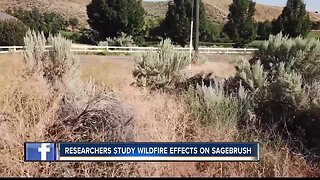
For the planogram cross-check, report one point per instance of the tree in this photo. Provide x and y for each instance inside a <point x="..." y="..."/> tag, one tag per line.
<point x="264" y="30"/>
<point x="111" y="17"/>
<point x="53" y="22"/>
<point x="294" y="20"/>
<point x="49" y="23"/>
<point x="12" y="33"/>
<point x="241" y="27"/>
<point x="176" y="25"/>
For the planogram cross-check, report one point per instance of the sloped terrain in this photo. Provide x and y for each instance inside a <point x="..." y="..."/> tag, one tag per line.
<point x="217" y="9"/>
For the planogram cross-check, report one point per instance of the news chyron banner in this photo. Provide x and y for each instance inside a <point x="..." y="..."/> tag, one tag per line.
<point x="156" y="152"/>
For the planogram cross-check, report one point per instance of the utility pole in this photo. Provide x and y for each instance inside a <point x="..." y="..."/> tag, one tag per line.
<point x="196" y="36"/>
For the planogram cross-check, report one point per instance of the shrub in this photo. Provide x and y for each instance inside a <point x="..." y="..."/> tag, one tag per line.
<point x="123" y="40"/>
<point x="301" y="55"/>
<point x="282" y="81"/>
<point x="74" y="22"/>
<point x="213" y="106"/>
<point x="86" y="112"/>
<point x="255" y="44"/>
<point x="161" y="69"/>
<point x="12" y="33"/>
<point x="55" y="64"/>
<point x="87" y="36"/>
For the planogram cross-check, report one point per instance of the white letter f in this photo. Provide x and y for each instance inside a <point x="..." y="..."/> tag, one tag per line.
<point x="43" y="150"/>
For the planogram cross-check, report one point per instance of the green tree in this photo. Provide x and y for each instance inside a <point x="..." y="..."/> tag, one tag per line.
<point x="176" y="25"/>
<point x="294" y="20"/>
<point x="53" y="22"/>
<point x="241" y="27"/>
<point x="264" y="30"/>
<point x="49" y="23"/>
<point x="12" y="33"/>
<point x="111" y="17"/>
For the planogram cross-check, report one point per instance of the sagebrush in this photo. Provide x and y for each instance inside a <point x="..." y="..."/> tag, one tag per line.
<point x="123" y="40"/>
<point x="47" y="101"/>
<point x="162" y="68"/>
<point x="282" y="81"/>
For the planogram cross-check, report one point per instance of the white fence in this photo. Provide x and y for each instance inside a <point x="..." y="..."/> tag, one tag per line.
<point x="118" y="49"/>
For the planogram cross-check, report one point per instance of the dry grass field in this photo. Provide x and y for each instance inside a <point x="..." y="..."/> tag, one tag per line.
<point x="158" y="117"/>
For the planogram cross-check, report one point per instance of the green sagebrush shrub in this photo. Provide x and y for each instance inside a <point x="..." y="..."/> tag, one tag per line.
<point x="123" y="40"/>
<point x="86" y="112"/>
<point x="55" y="64"/>
<point x="12" y="33"/>
<point x="212" y="105"/>
<point x="282" y="83"/>
<point x="160" y="69"/>
<point x="298" y="54"/>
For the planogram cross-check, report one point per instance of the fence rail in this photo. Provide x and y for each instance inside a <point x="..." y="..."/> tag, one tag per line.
<point x="119" y="49"/>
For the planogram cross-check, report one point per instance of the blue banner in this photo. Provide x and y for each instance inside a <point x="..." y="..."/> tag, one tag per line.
<point x="154" y="151"/>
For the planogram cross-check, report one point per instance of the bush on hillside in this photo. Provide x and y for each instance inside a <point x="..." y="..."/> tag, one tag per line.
<point x="48" y="23"/>
<point x="12" y="33"/>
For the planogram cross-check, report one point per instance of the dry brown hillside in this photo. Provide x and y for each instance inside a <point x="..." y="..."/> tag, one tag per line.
<point x="67" y="8"/>
<point x="216" y="9"/>
<point x="219" y="9"/>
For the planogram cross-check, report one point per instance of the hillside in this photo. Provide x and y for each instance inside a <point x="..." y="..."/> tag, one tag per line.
<point x="67" y="8"/>
<point x="217" y="9"/>
<point x="4" y="16"/>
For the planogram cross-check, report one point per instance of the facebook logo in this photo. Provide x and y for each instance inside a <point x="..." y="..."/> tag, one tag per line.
<point x="39" y="152"/>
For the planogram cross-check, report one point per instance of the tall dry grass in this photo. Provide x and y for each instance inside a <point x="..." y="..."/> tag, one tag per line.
<point x="158" y="117"/>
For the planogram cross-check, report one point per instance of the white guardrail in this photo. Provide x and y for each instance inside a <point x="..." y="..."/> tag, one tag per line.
<point x="118" y="49"/>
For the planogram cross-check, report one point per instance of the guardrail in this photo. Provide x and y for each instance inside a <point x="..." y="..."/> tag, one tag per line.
<point x="119" y="49"/>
